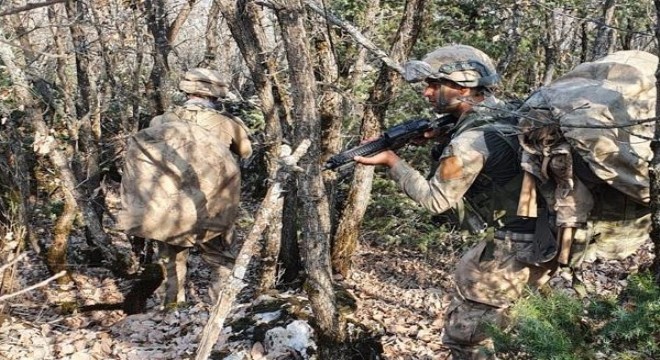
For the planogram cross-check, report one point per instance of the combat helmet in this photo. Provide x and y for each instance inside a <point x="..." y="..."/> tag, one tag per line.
<point x="203" y="82"/>
<point x="462" y="64"/>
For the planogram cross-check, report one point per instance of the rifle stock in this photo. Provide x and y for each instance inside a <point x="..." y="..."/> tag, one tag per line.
<point x="393" y="138"/>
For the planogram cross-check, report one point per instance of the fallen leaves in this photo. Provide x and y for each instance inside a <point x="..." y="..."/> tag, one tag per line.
<point x="401" y="297"/>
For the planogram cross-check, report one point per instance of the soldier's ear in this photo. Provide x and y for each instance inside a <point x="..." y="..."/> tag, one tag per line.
<point x="466" y="91"/>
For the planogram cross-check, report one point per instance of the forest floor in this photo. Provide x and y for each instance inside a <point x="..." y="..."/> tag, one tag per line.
<point x="401" y="295"/>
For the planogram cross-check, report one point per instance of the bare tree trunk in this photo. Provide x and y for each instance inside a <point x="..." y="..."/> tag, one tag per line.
<point x="56" y="257"/>
<point x="136" y="86"/>
<point x="68" y="108"/>
<point x="550" y="47"/>
<point x="329" y="104"/>
<point x="606" y="33"/>
<point x="87" y="154"/>
<point x="654" y="166"/>
<point x="513" y="37"/>
<point x="368" y="22"/>
<point x="359" y="195"/>
<point x="156" y="15"/>
<point x="180" y="19"/>
<point x="313" y="211"/>
<point x="164" y="35"/>
<point x="114" y="87"/>
<point x="16" y="208"/>
<point x="46" y="145"/>
<point x="584" y="36"/>
<point x="211" y="35"/>
<point x="244" y="19"/>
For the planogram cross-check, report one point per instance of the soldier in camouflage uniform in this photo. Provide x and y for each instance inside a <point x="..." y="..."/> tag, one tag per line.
<point x="181" y="183"/>
<point x="481" y="163"/>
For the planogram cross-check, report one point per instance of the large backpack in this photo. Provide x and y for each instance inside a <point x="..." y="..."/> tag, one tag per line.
<point x="599" y="114"/>
<point x="180" y="184"/>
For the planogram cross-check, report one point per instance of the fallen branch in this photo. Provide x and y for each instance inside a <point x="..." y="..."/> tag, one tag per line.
<point x="17" y="259"/>
<point x="271" y="205"/>
<point x="30" y="288"/>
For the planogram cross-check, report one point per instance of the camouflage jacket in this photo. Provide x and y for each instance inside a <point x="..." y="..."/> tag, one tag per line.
<point x="181" y="183"/>
<point x="480" y="162"/>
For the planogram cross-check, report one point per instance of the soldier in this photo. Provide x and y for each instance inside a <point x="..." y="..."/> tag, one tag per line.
<point x="181" y="183"/>
<point x="481" y="163"/>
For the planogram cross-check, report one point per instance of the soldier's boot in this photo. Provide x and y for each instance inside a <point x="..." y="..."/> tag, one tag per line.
<point x="467" y="352"/>
<point x="220" y="260"/>
<point x="465" y="329"/>
<point x="174" y="260"/>
<point x="220" y="279"/>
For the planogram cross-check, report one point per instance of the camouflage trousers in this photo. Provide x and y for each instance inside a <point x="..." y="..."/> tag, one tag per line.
<point x="175" y="262"/>
<point x="488" y="279"/>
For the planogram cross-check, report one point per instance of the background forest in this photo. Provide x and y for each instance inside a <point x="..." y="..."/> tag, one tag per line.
<point x="77" y="77"/>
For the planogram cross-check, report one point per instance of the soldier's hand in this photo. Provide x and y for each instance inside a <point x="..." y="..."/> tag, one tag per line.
<point x="388" y="158"/>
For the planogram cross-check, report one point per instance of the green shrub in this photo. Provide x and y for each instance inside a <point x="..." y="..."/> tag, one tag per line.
<point x="632" y="328"/>
<point x="560" y="327"/>
<point x="545" y="328"/>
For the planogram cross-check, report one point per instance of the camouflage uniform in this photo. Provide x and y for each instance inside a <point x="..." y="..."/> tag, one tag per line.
<point x="482" y="163"/>
<point x="489" y="276"/>
<point x="182" y="183"/>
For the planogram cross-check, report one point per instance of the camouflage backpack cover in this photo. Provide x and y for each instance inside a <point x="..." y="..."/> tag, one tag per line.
<point x="180" y="184"/>
<point x="599" y="112"/>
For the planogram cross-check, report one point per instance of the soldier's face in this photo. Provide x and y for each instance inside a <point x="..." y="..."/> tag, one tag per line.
<point x="444" y="96"/>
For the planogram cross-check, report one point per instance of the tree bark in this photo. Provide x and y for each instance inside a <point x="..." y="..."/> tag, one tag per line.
<point x="606" y="33"/>
<point x="244" y="19"/>
<point x="513" y="37"/>
<point x="67" y="110"/>
<point x="211" y="35"/>
<point x="313" y="210"/>
<point x="358" y="197"/>
<point x="87" y="153"/>
<point x="156" y="15"/>
<point x="180" y="19"/>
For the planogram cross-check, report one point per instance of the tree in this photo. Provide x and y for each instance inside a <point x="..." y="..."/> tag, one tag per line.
<point x="381" y="95"/>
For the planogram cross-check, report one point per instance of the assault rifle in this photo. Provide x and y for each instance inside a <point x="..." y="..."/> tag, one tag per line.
<point x="393" y="138"/>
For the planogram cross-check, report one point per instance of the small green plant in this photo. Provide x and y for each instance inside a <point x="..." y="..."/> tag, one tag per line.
<point x="560" y="327"/>
<point x="632" y="328"/>
<point x="545" y="328"/>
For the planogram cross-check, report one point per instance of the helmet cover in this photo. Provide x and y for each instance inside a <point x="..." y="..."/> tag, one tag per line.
<point x="461" y="64"/>
<point x="203" y="82"/>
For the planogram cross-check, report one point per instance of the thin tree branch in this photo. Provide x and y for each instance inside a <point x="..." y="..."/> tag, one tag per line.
<point x="349" y="28"/>
<point x="29" y="7"/>
<point x="17" y="259"/>
<point x="43" y="283"/>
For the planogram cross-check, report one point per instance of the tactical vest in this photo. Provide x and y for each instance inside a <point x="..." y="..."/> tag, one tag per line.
<point x="494" y="193"/>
